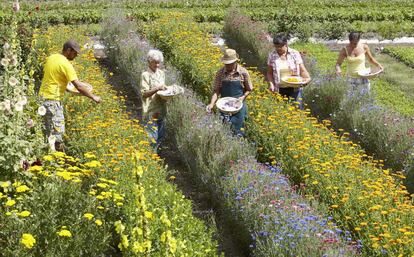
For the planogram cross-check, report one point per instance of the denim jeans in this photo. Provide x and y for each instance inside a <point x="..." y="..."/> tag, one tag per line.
<point x="293" y="93"/>
<point x="156" y="131"/>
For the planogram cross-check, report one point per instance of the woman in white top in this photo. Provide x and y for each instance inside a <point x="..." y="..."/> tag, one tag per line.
<point x="355" y="54"/>
<point x="153" y="107"/>
<point x="284" y="62"/>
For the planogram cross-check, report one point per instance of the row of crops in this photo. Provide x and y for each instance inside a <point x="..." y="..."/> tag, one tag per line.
<point x="323" y="20"/>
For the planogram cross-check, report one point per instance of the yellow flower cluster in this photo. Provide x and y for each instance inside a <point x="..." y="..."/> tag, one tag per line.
<point x="363" y="197"/>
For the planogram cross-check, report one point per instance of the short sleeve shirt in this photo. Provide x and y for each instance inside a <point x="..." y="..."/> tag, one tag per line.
<point x="240" y="74"/>
<point x="58" y="71"/>
<point x="294" y="59"/>
<point x="153" y="104"/>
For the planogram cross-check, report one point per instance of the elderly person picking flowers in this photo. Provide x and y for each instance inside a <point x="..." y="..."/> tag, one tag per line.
<point x="153" y="107"/>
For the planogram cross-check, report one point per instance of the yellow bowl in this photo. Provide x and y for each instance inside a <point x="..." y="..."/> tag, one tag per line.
<point x="293" y="81"/>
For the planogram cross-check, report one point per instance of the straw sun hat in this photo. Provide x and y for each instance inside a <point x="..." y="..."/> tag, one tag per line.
<point x="230" y="56"/>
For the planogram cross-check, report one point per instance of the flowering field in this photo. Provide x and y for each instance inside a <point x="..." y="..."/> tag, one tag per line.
<point x="368" y="200"/>
<point x="114" y="188"/>
<point x="297" y="185"/>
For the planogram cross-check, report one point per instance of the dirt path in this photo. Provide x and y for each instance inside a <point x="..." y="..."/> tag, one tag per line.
<point x="202" y="206"/>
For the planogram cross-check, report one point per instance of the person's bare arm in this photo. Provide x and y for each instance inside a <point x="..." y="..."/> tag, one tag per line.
<point x="270" y="79"/>
<point x="339" y="61"/>
<point x="371" y="58"/>
<point x="83" y="90"/>
<point x="304" y="74"/>
<point x="152" y="91"/>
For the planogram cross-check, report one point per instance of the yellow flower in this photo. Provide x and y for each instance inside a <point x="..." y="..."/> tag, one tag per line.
<point x="48" y="158"/>
<point x="24" y="214"/>
<point x="88" y="216"/>
<point x="93" y="164"/>
<point x="124" y="242"/>
<point x="102" y="185"/>
<point x="149" y="215"/>
<point x="5" y="184"/>
<point x="35" y="169"/>
<point x="89" y="155"/>
<point x="119" y="228"/>
<point x="22" y="188"/>
<point x="28" y="240"/>
<point x="10" y="203"/>
<point x="98" y="222"/>
<point x="65" y="233"/>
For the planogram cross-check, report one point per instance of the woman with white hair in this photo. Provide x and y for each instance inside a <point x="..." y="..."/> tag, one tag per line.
<point x="153" y="107"/>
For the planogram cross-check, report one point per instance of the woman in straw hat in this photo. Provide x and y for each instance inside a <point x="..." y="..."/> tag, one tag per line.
<point x="232" y="81"/>
<point x="284" y="62"/>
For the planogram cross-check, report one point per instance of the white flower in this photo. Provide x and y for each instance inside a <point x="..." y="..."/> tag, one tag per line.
<point x="41" y="110"/>
<point x="16" y="6"/>
<point x="5" y="105"/>
<point x="18" y="106"/>
<point x="13" y="81"/>
<point x="5" y="62"/>
<point x="22" y="100"/>
<point x="6" y="46"/>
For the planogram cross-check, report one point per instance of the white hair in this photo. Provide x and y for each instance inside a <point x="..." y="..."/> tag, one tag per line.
<point x="155" y="55"/>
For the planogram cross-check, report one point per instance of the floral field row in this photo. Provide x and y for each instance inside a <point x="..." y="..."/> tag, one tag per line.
<point x="362" y="197"/>
<point x="231" y="186"/>
<point x="126" y="202"/>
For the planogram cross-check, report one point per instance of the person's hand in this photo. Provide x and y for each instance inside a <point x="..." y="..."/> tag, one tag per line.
<point x="338" y="73"/>
<point x="272" y="88"/>
<point x="380" y="66"/>
<point x="306" y="81"/>
<point x="209" y="108"/>
<point x="97" y="99"/>
<point x="162" y="87"/>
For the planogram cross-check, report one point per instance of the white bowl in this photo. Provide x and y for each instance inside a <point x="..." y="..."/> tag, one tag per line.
<point x="170" y="92"/>
<point x="71" y="88"/>
<point x="297" y="83"/>
<point x="230" y="105"/>
<point x="369" y="74"/>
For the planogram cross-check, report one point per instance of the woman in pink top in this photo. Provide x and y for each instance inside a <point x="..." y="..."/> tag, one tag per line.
<point x="285" y="62"/>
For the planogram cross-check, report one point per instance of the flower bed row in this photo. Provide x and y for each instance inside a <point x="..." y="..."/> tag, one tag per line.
<point x="369" y="201"/>
<point x="368" y="123"/>
<point x="248" y="194"/>
<point x="148" y="215"/>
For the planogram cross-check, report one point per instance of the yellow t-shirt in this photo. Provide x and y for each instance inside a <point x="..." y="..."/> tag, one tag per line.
<point x="58" y="71"/>
<point x="153" y="104"/>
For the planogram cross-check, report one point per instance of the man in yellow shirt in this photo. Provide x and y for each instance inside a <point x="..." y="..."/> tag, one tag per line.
<point x="58" y="71"/>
